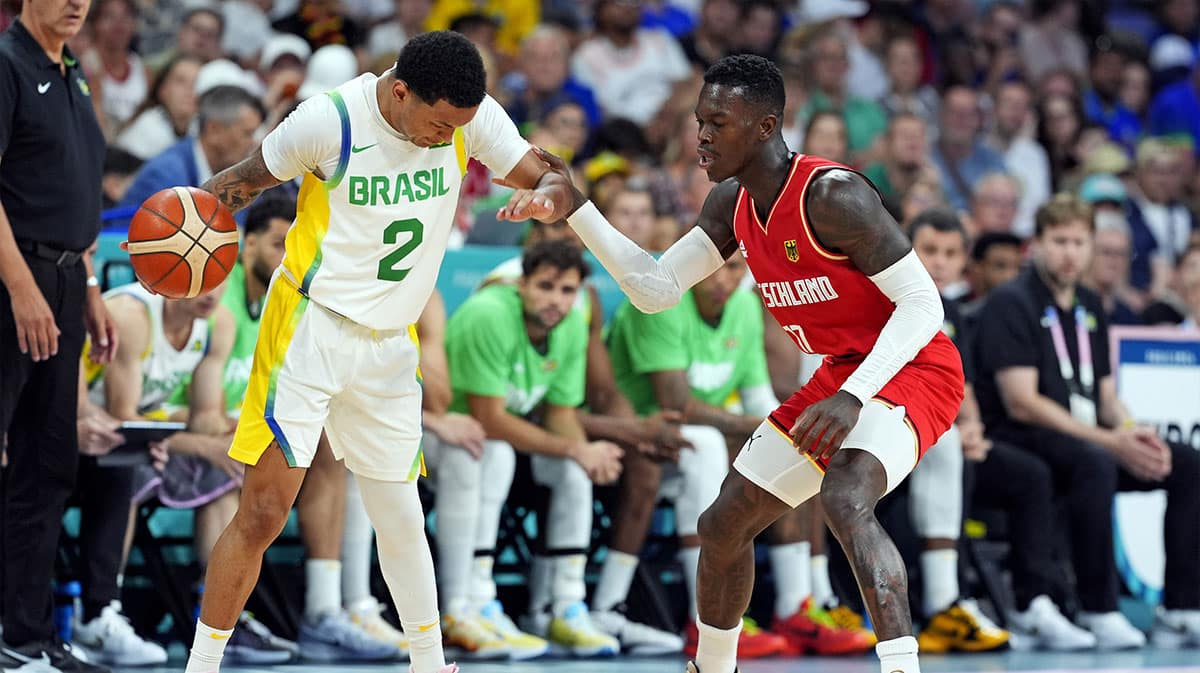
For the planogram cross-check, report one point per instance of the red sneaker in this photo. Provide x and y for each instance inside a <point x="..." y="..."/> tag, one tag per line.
<point x="812" y="630"/>
<point x="753" y="642"/>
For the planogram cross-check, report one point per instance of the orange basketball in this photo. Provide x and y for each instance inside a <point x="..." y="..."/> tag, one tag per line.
<point x="182" y="242"/>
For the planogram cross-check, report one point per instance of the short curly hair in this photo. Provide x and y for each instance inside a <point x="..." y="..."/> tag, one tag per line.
<point x="759" y="80"/>
<point x="443" y="65"/>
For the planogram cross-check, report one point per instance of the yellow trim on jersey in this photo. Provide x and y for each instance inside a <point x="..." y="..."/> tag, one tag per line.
<point x="303" y="243"/>
<point x="460" y="150"/>
<point x="418" y="466"/>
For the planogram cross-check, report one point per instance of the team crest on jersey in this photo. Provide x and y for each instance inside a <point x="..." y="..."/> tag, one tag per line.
<point x="731" y="343"/>
<point x="549" y="365"/>
<point x="742" y="247"/>
<point x="790" y="249"/>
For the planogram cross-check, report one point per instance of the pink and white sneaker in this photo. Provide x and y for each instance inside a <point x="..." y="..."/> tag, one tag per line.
<point x="450" y="668"/>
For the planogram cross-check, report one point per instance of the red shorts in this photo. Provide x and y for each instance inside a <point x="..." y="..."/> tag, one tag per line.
<point x="930" y="388"/>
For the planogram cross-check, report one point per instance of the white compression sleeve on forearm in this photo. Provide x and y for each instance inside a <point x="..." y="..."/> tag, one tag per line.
<point x="652" y="285"/>
<point x="917" y="318"/>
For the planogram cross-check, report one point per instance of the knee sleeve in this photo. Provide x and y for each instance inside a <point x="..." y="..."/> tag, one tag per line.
<point x="936" y="495"/>
<point x="569" y="524"/>
<point x="404" y="553"/>
<point x="703" y="468"/>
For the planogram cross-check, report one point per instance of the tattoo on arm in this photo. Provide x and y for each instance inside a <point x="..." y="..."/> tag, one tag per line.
<point x="716" y="217"/>
<point x="238" y="185"/>
<point x="847" y="216"/>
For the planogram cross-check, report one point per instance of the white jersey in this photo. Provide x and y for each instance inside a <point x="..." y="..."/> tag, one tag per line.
<point x="371" y="231"/>
<point x="163" y="367"/>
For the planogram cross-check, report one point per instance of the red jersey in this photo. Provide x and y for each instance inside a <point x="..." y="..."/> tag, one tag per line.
<point x="828" y="306"/>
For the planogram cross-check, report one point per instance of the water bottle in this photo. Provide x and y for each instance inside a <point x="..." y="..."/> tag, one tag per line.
<point x="65" y="597"/>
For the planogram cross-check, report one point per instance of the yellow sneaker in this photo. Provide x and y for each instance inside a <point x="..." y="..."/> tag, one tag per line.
<point x="472" y="638"/>
<point x="849" y="620"/>
<point x="963" y="628"/>
<point x="522" y="645"/>
<point x="574" y="632"/>
<point x="367" y="614"/>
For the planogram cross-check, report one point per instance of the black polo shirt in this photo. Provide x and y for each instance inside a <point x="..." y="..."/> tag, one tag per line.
<point x="955" y="327"/>
<point x="1012" y="330"/>
<point x="51" y="146"/>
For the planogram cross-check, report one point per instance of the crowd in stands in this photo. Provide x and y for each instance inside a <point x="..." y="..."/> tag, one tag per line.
<point x="1040" y="154"/>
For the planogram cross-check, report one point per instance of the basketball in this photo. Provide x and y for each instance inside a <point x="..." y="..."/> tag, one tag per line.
<point x="182" y="242"/>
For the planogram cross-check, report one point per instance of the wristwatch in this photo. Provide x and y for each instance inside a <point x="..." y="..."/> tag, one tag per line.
<point x="92" y="281"/>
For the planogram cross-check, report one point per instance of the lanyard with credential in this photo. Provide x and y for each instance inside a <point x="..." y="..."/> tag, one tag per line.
<point x="1087" y="372"/>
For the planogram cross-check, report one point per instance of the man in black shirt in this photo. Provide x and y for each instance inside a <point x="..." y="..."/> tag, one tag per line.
<point x="51" y="161"/>
<point x="1045" y="384"/>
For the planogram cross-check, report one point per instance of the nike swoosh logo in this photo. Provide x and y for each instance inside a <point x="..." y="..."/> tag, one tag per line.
<point x="356" y="149"/>
<point x="426" y="627"/>
<point x="43" y="87"/>
<point x="219" y="636"/>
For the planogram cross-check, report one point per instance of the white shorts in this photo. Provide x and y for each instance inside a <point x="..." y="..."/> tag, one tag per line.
<point x="771" y="462"/>
<point x="314" y="370"/>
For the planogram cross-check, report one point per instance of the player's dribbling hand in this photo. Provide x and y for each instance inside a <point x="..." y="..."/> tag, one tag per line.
<point x="554" y="197"/>
<point x="601" y="460"/>
<point x="820" y="430"/>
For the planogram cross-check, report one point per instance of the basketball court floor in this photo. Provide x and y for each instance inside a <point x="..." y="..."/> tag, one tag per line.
<point x="1156" y="661"/>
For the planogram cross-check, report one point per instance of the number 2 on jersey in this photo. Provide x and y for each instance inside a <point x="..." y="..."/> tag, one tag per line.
<point x="387" y="265"/>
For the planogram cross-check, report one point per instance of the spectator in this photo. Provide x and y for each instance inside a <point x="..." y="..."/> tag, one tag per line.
<point x="630" y="209"/>
<point x="825" y="136"/>
<point x="633" y="71"/>
<point x="1024" y="159"/>
<point x="759" y="25"/>
<point x="995" y="260"/>
<point x="49" y="301"/>
<point x="228" y="118"/>
<point x="386" y="39"/>
<point x="1102" y="103"/>
<point x="562" y="129"/>
<point x="1108" y="274"/>
<point x="117" y="70"/>
<point x="1052" y="40"/>
<point x="322" y="23"/>
<point x="711" y="38"/>
<point x="484" y="338"/>
<point x="905" y="159"/>
<point x="1158" y="220"/>
<point x="994" y="204"/>
<point x="167" y="113"/>
<point x="999" y="34"/>
<point x="1189" y="288"/>
<point x="119" y="168"/>
<point x="960" y="154"/>
<point x="667" y="16"/>
<point x="936" y="489"/>
<point x="1061" y="404"/>
<point x="908" y="94"/>
<point x="1060" y="124"/>
<point x="1175" y="111"/>
<point x="828" y="64"/>
<point x="1135" y="88"/>
<point x="542" y="79"/>
<point x="164" y="341"/>
<point x="514" y="19"/>
<point x="199" y="37"/>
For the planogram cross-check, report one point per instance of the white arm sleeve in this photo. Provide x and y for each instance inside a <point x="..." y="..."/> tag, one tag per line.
<point x="307" y="140"/>
<point x="759" y="400"/>
<point x="652" y="285"/>
<point x="917" y="318"/>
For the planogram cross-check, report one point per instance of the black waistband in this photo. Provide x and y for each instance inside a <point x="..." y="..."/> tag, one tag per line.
<point x="50" y="253"/>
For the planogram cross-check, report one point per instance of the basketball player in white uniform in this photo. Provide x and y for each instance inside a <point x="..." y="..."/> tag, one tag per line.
<point x="383" y="160"/>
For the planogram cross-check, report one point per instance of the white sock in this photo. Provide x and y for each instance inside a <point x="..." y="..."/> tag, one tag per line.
<point x="822" y="590"/>
<point x="208" y="647"/>
<point x="615" y="579"/>
<point x="939" y="577"/>
<point x="457" y="505"/>
<point x="568" y="587"/>
<point x="717" y="650"/>
<point x="358" y="540"/>
<point x="483" y="583"/>
<point x="541" y="574"/>
<point x="898" y="655"/>
<point x="793" y="576"/>
<point x="323" y="594"/>
<point x="407" y="566"/>
<point x="689" y="558"/>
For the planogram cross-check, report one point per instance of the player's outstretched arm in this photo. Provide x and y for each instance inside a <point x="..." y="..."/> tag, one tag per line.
<point x="848" y="215"/>
<point x="241" y="183"/>
<point x="652" y="285"/>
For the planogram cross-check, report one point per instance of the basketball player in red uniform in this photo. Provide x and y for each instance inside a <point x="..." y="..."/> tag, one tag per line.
<point x="835" y="270"/>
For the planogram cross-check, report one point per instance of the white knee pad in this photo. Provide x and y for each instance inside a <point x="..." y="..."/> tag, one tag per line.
<point x="702" y="470"/>
<point x="569" y="524"/>
<point x="936" y="494"/>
